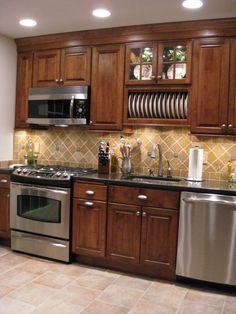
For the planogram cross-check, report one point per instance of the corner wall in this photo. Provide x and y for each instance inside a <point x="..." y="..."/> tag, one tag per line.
<point x="8" y="60"/>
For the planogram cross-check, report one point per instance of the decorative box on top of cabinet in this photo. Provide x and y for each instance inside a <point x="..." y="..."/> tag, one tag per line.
<point x="62" y="67"/>
<point x="158" y="63"/>
<point x="214" y="97"/>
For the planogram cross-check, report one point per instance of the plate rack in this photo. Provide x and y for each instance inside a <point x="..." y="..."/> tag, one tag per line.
<point x="159" y="105"/>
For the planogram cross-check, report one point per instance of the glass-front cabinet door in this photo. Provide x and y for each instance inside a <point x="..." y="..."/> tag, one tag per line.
<point x="141" y="63"/>
<point x="174" y="62"/>
<point x="158" y="63"/>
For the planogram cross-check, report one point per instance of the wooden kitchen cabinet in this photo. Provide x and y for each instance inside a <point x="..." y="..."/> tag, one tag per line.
<point x="23" y="83"/>
<point x="158" y="63"/>
<point x="89" y="219"/>
<point x="232" y="89"/>
<point x="107" y="87"/>
<point x="62" y="67"/>
<point x="210" y="111"/>
<point x="142" y="232"/>
<point x="4" y="206"/>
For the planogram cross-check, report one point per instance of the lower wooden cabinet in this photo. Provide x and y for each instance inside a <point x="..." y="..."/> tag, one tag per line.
<point x="4" y="213"/>
<point x="89" y="227"/>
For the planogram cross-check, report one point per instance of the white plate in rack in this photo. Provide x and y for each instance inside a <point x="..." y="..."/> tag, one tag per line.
<point x="163" y="105"/>
<point x="172" y="105"/>
<point x="186" y="106"/>
<point x="177" y="105"/>
<point x="137" y="106"/>
<point x="168" y="105"/>
<point x="159" y="105"/>
<point x="129" y="105"/>
<point x="155" y="106"/>
<point x="181" y="105"/>
<point x="142" y="106"/>
<point x="151" y="111"/>
<point x="146" y="106"/>
<point x="133" y="106"/>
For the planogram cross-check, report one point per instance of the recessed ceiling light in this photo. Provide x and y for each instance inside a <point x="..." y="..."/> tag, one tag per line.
<point x="192" y="4"/>
<point x="101" y="13"/>
<point x="28" y="22"/>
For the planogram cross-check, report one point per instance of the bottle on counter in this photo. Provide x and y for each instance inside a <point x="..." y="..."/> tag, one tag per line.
<point x="30" y="153"/>
<point x="114" y="161"/>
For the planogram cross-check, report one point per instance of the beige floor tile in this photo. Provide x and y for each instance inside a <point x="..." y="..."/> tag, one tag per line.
<point x="4" y="290"/>
<point x="5" y="266"/>
<point x="13" y="306"/>
<point x="198" y="308"/>
<point x="55" y="305"/>
<point x="14" y="258"/>
<point x="102" y="308"/>
<point x="133" y="282"/>
<point x="36" y="267"/>
<point x="32" y="293"/>
<point x="120" y="296"/>
<point x="165" y="293"/>
<point x="94" y="281"/>
<point x="229" y="305"/>
<point x="77" y="295"/>
<point x="71" y="270"/>
<point x="205" y="297"/>
<point x="4" y="250"/>
<point x="149" y="307"/>
<point x="55" y="280"/>
<point x="104" y="272"/>
<point x="16" y="277"/>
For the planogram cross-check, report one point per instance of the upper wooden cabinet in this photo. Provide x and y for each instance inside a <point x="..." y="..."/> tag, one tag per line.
<point x="212" y="110"/>
<point x="23" y="83"/>
<point x="158" y="63"/>
<point x="107" y="87"/>
<point x="62" y="67"/>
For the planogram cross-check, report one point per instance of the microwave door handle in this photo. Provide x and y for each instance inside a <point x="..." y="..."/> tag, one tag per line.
<point x="72" y="106"/>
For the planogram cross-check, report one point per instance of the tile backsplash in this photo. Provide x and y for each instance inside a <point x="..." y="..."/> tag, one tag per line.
<point x="77" y="146"/>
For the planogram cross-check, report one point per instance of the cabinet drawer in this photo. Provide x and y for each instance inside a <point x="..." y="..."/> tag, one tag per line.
<point x="144" y="197"/>
<point x="4" y="181"/>
<point x="90" y="191"/>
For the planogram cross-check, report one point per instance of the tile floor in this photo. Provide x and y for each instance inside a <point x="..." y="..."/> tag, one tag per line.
<point x="31" y="285"/>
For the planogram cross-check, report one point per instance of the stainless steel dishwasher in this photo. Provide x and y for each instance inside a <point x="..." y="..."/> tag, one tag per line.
<point x="207" y="238"/>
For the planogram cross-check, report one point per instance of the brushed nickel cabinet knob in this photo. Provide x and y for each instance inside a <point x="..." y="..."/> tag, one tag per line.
<point x="230" y="126"/>
<point x="138" y="213"/>
<point x="223" y="126"/>
<point x="144" y="214"/>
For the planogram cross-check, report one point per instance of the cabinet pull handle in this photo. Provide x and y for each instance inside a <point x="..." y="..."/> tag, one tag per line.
<point x="61" y="80"/>
<point x="138" y="213"/>
<point x="144" y="214"/>
<point x="230" y="126"/>
<point x="56" y="80"/>
<point x="8" y="195"/>
<point x="89" y="192"/>
<point x="153" y="77"/>
<point x="159" y="77"/>
<point x="90" y="122"/>
<point x="89" y="204"/>
<point x="223" y="126"/>
<point x="3" y="181"/>
<point x="142" y="197"/>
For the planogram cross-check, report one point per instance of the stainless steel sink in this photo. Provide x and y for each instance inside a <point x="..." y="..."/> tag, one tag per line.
<point x="144" y="178"/>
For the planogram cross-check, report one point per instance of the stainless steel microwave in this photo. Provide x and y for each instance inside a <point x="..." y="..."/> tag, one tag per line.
<point x="60" y="106"/>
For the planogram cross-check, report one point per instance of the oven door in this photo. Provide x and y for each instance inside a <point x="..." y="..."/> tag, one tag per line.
<point x="40" y="210"/>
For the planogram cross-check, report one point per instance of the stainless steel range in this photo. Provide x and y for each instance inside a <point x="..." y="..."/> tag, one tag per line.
<point x="40" y="210"/>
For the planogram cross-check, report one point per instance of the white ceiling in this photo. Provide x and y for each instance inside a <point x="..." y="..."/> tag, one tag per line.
<point x="57" y="16"/>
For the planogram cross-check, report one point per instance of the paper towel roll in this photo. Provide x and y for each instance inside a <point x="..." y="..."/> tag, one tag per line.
<point x="196" y="155"/>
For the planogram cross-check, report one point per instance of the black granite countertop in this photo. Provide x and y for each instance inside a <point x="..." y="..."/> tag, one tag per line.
<point x="207" y="186"/>
<point x="6" y="170"/>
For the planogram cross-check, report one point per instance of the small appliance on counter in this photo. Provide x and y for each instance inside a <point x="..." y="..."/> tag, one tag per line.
<point x="40" y="210"/>
<point x="103" y="157"/>
<point x="196" y="156"/>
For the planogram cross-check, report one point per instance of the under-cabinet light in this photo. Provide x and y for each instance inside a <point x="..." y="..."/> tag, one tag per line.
<point x="101" y="13"/>
<point x="28" y="22"/>
<point x="192" y="4"/>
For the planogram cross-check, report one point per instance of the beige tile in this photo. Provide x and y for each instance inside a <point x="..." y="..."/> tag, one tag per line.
<point x="198" y="308"/>
<point x="101" y="308"/>
<point x="120" y="296"/>
<point x="14" y="258"/>
<point x="165" y="293"/>
<point x="4" y="250"/>
<point x="95" y="281"/>
<point x="13" y="306"/>
<point x="148" y="307"/>
<point x="68" y="269"/>
<point x="54" y="280"/>
<point x="32" y="293"/>
<point x="229" y="305"/>
<point x="77" y="295"/>
<point x="133" y="282"/>
<point x="36" y="267"/>
<point x="15" y="278"/>
<point x="5" y="266"/>
<point x="4" y="290"/>
<point x="205" y="297"/>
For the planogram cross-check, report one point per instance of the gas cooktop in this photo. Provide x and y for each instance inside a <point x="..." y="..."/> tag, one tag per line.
<point x="51" y="174"/>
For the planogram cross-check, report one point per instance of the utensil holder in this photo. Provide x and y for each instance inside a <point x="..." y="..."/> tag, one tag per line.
<point x="126" y="165"/>
<point x="103" y="167"/>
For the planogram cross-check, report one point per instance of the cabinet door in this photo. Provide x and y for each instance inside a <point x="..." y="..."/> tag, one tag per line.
<point x="210" y="86"/>
<point x="4" y="213"/>
<point x="141" y="63"/>
<point x="75" y="66"/>
<point x="123" y="234"/>
<point x="232" y="90"/>
<point x="107" y="87"/>
<point x="174" y="62"/>
<point x="46" y="72"/>
<point x="89" y="228"/>
<point x="159" y="238"/>
<point x="24" y="80"/>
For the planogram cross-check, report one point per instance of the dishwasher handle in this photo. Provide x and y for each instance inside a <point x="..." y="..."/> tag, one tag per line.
<point x="208" y="200"/>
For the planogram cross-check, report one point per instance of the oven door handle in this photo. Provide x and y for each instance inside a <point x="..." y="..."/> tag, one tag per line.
<point x="40" y="189"/>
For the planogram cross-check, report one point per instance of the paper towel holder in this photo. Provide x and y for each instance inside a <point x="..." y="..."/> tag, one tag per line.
<point x="196" y="156"/>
